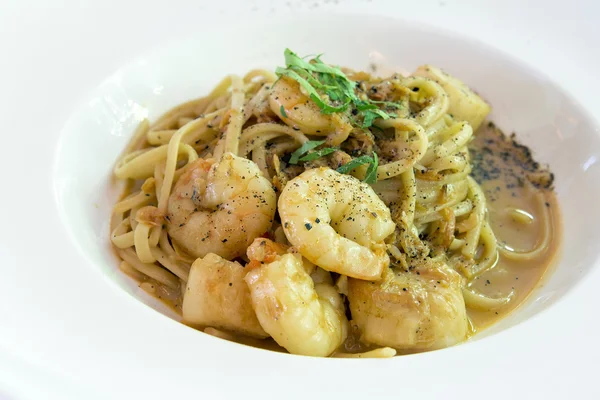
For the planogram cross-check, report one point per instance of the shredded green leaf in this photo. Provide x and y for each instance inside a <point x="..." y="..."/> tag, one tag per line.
<point x="291" y="59"/>
<point x="331" y="90"/>
<point x="318" y="154"/>
<point x="282" y="110"/>
<point x="372" y="115"/>
<point x="390" y="104"/>
<point x="305" y="148"/>
<point x="349" y="166"/>
<point x="312" y="92"/>
<point x="371" y="176"/>
<point x="369" y="118"/>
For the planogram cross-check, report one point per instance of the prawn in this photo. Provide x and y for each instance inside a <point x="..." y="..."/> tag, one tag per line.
<point x="298" y="111"/>
<point x="220" y="207"/>
<point x="417" y="310"/>
<point x="301" y="315"/>
<point x="217" y="296"/>
<point x="336" y="222"/>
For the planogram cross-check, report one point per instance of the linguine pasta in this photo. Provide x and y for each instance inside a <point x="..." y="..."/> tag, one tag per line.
<point x="208" y="217"/>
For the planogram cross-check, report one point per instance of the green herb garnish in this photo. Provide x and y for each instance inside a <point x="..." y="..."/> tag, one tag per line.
<point x="357" y="162"/>
<point x="305" y="148"/>
<point x="282" y="110"/>
<point x="331" y="90"/>
<point x="371" y="176"/>
<point x="318" y="154"/>
<point x="312" y="92"/>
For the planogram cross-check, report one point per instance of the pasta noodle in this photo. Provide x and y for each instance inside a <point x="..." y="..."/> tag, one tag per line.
<point x="407" y="137"/>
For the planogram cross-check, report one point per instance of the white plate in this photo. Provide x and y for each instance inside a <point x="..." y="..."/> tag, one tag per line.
<point x="70" y="326"/>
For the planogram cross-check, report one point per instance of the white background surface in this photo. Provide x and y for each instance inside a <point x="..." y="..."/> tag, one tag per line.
<point x="53" y="53"/>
